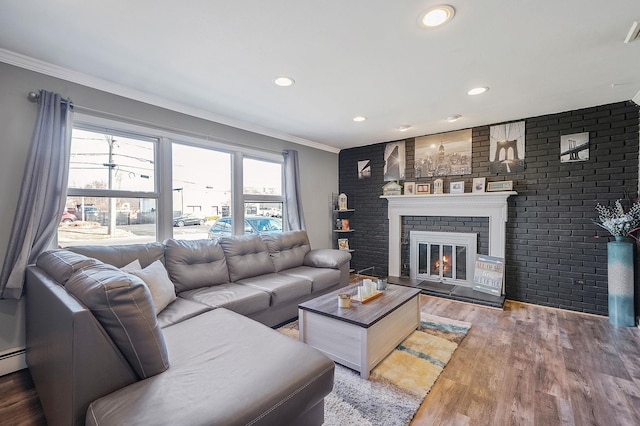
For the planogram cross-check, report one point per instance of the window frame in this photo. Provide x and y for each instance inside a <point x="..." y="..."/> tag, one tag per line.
<point x="163" y="168"/>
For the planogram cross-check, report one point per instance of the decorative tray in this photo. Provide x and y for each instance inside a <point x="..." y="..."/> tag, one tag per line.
<point x="375" y="295"/>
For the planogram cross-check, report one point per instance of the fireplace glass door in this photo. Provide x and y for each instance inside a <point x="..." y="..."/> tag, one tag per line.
<point x="442" y="262"/>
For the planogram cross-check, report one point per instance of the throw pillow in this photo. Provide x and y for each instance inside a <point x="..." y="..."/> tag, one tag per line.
<point x="133" y="266"/>
<point x="162" y="290"/>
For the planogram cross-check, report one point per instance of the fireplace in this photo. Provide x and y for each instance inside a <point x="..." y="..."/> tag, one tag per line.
<point x="445" y="257"/>
<point x="492" y="205"/>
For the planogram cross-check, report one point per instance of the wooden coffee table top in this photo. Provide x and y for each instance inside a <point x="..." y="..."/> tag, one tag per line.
<point x="363" y="315"/>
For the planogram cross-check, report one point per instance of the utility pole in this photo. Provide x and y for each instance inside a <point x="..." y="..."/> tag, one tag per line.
<point x="111" y="225"/>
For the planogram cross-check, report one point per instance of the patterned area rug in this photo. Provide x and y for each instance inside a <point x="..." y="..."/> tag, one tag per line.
<point x="398" y="385"/>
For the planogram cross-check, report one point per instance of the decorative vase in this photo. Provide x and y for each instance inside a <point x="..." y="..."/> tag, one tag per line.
<point x="621" y="281"/>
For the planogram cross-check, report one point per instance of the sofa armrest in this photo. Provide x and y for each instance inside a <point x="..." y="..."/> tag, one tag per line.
<point x="327" y="258"/>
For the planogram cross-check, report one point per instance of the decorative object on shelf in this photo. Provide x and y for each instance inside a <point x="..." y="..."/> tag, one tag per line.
<point x="338" y="224"/>
<point x="409" y="188"/>
<point x="392" y="188"/>
<point x="574" y="147"/>
<point x="456" y="187"/>
<point x="423" y="189"/>
<point x="443" y="154"/>
<point x="620" y="263"/>
<point x="479" y="184"/>
<point x="343" y="243"/>
<point x="342" y="201"/>
<point x="505" y="185"/>
<point x="506" y="148"/>
<point x="345" y="224"/>
<point x="438" y="186"/>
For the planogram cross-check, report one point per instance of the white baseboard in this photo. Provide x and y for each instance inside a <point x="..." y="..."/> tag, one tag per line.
<point x="12" y="362"/>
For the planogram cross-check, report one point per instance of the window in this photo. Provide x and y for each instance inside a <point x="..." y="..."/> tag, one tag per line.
<point x="132" y="184"/>
<point x="263" y="198"/>
<point x="111" y="195"/>
<point x="201" y="189"/>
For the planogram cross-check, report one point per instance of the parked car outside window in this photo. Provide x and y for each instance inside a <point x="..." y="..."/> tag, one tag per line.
<point x="91" y="213"/>
<point x="252" y="225"/>
<point x="188" y="219"/>
<point x="68" y="217"/>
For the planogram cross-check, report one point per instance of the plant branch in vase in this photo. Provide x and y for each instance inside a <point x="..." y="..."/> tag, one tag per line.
<point x="618" y="222"/>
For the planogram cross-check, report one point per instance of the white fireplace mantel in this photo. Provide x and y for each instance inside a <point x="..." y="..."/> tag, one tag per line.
<point x="492" y="205"/>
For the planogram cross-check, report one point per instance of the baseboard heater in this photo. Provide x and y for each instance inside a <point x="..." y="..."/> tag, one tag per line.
<point x="12" y="361"/>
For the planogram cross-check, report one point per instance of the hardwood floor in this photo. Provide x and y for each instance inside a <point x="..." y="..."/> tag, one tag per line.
<point x="19" y="404"/>
<point x="530" y="365"/>
<point x="526" y="365"/>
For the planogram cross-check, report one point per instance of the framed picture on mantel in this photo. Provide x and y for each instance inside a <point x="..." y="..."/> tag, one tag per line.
<point x="505" y="185"/>
<point x="478" y="184"/>
<point x="423" y="188"/>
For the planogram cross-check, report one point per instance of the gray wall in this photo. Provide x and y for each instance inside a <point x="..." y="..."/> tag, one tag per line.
<point x="318" y="176"/>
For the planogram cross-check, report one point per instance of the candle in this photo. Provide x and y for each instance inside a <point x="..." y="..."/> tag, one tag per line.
<point x="344" y="300"/>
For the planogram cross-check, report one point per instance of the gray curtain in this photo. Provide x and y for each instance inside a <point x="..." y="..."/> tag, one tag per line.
<point x="43" y="193"/>
<point x="295" y="216"/>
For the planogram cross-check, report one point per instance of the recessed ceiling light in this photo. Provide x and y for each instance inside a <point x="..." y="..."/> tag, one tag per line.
<point x="453" y="118"/>
<point x="404" y="128"/>
<point x="477" y="91"/>
<point x="284" y="81"/>
<point x="437" y="16"/>
<point x="359" y="118"/>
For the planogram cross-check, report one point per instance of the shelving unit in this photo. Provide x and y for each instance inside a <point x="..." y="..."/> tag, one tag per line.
<point x="341" y="233"/>
<point x="339" y="216"/>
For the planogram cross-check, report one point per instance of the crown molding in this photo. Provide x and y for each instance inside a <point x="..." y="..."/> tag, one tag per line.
<point x="636" y="98"/>
<point x="26" y="62"/>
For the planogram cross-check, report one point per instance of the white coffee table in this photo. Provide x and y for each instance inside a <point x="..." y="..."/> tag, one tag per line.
<point x="361" y="336"/>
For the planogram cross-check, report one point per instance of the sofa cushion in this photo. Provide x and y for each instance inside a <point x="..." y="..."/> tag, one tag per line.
<point x="226" y="369"/>
<point x="123" y="254"/>
<point x="62" y="264"/>
<point x="247" y="256"/>
<point x="122" y="304"/>
<point x="195" y="263"/>
<point x="321" y="278"/>
<point x="282" y="288"/>
<point x="235" y="297"/>
<point x="287" y="249"/>
<point x="180" y="310"/>
<point x="156" y="278"/>
<point x="327" y="258"/>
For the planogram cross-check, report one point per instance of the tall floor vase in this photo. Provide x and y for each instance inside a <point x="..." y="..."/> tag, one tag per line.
<point x="621" y="282"/>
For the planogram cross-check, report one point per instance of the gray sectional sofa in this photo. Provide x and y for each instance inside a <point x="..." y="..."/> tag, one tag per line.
<point x="109" y="344"/>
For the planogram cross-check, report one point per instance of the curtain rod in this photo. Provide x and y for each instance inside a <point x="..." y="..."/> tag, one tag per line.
<point x="34" y="97"/>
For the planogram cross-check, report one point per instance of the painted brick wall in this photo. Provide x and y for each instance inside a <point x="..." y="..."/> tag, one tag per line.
<point x="552" y="256"/>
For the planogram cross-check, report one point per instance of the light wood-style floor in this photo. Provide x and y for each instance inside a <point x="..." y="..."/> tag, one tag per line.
<point x="530" y="365"/>
<point x="526" y="365"/>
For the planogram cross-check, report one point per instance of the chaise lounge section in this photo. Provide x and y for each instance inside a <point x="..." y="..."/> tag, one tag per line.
<point x="100" y="352"/>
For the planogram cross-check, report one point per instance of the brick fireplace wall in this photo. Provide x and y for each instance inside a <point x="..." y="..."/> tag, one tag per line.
<point x="552" y="257"/>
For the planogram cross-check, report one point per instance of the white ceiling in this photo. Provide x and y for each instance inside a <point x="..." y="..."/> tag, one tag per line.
<point x="217" y="60"/>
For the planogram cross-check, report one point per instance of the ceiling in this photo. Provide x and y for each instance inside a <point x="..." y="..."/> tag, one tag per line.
<point x="218" y="59"/>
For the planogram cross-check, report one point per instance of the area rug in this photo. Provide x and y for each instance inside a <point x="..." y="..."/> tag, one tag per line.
<point x="398" y="385"/>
